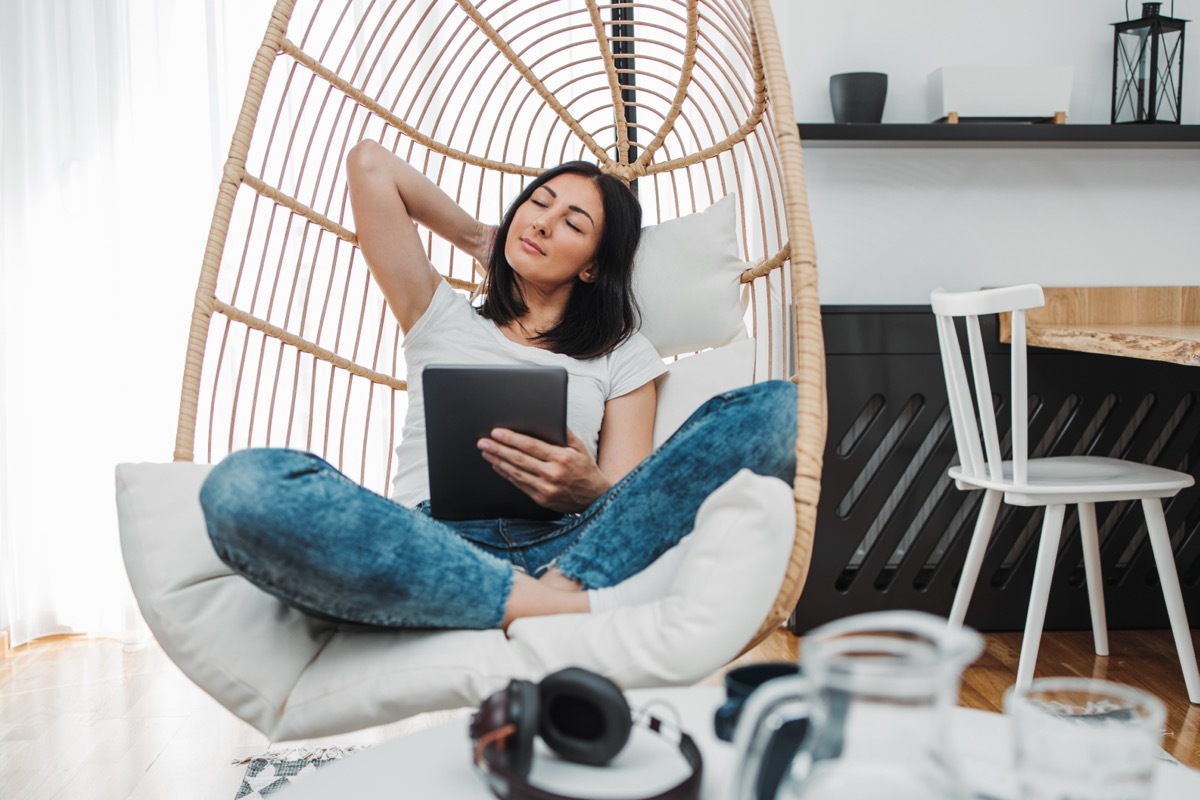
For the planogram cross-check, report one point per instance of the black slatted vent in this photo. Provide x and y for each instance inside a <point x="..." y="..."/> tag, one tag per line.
<point x="892" y="529"/>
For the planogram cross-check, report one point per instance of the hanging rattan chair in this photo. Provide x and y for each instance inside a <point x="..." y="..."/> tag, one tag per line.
<point x="291" y="343"/>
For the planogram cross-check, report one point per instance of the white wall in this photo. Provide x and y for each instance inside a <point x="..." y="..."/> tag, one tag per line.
<point x="893" y="223"/>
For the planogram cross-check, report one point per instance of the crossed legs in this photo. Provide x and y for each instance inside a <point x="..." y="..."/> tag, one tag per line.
<point x="300" y="530"/>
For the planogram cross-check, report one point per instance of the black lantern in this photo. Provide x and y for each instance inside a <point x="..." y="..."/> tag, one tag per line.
<point x="1148" y="68"/>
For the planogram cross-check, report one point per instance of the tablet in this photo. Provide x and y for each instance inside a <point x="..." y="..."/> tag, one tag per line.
<point x="462" y="405"/>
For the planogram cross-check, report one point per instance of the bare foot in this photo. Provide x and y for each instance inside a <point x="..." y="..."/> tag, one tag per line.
<point x="532" y="598"/>
<point x="556" y="580"/>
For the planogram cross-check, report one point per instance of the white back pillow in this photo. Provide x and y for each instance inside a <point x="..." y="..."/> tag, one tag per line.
<point x="687" y="281"/>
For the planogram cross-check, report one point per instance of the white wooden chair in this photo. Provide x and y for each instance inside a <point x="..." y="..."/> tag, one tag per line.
<point x="1053" y="483"/>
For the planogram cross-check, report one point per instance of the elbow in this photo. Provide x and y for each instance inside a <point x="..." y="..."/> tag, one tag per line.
<point x="365" y="157"/>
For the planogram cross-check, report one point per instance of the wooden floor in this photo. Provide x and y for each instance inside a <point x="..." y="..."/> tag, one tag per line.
<point x="90" y="718"/>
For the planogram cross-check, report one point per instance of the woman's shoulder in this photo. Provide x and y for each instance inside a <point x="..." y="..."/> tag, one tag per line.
<point x="447" y="306"/>
<point x="633" y="363"/>
<point x="636" y="346"/>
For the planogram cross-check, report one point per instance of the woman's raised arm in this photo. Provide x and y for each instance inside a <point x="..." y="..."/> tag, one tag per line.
<point x="388" y="196"/>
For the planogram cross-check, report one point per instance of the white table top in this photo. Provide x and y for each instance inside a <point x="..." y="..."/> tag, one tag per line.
<point x="437" y="762"/>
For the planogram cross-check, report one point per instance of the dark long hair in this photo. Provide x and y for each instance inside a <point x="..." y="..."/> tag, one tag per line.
<point x="600" y="315"/>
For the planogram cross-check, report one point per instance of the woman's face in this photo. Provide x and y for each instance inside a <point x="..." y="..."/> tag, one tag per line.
<point x="553" y="237"/>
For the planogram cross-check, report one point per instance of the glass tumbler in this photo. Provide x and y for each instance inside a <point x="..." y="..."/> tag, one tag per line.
<point x="1084" y="739"/>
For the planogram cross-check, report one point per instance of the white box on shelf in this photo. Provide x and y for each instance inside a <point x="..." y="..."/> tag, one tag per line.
<point x="1032" y="92"/>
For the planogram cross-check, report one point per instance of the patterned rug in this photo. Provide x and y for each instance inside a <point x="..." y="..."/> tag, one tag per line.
<point x="270" y="772"/>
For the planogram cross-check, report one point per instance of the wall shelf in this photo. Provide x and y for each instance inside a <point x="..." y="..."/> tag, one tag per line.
<point x="989" y="134"/>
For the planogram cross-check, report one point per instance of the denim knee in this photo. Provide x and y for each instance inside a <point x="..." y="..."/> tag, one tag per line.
<point x="232" y="482"/>
<point x="775" y="399"/>
<point x="767" y="427"/>
<point x="238" y="488"/>
<point x="777" y="410"/>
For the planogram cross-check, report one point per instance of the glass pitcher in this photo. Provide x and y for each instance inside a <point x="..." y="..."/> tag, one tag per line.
<point x="876" y="689"/>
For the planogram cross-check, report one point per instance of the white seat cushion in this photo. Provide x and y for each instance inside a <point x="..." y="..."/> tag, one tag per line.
<point x="291" y="676"/>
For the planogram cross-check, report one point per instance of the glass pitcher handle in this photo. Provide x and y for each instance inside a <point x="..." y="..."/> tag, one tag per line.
<point x="763" y="719"/>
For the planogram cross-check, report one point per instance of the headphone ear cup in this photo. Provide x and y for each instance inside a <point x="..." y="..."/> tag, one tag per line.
<point x="583" y="716"/>
<point x="523" y="703"/>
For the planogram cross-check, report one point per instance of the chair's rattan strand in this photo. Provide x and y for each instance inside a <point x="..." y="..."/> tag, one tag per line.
<point x="185" y="434"/>
<point x="305" y="346"/>
<point x="685" y="80"/>
<point x="296" y="207"/>
<point x="808" y="342"/>
<point x="547" y="97"/>
<point x="375" y="108"/>
<point x="614" y="83"/>
<point x="766" y="267"/>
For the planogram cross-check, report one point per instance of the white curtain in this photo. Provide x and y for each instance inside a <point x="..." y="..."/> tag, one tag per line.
<point x="116" y="115"/>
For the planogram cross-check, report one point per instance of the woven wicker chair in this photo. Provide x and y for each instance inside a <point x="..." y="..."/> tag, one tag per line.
<point x="291" y="344"/>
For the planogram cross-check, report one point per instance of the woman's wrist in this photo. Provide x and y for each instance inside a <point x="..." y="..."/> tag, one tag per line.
<point x="602" y="485"/>
<point x="481" y="242"/>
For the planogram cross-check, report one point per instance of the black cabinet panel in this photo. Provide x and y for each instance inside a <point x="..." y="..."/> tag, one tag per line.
<point x="892" y="530"/>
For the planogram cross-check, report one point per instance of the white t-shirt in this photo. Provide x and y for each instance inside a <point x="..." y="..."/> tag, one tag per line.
<point x="452" y="332"/>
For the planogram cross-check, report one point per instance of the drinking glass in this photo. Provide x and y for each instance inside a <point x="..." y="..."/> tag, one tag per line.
<point x="1084" y="739"/>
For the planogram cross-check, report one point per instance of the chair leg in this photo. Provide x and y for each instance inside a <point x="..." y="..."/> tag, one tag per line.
<point x="1043" y="573"/>
<point x="1168" y="577"/>
<point x="1089" y="535"/>
<point x="988" y="509"/>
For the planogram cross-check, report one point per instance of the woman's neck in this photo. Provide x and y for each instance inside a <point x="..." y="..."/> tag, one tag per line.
<point x="525" y="330"/>
<point x="543" y="313"/>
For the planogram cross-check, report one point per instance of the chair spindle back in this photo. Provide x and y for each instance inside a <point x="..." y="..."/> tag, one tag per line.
<point x="972" y="415"/>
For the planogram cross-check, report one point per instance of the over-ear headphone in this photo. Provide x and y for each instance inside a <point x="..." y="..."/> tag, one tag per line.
<point x="580" y="715"/>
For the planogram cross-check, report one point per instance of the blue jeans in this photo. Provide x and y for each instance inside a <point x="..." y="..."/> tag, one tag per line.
<point x="299" y="529"/>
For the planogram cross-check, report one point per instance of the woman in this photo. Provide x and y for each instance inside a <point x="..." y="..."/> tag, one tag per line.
<point x="559" y="270"/>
